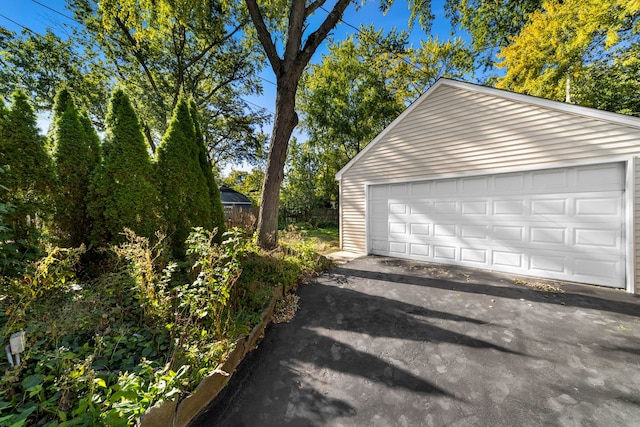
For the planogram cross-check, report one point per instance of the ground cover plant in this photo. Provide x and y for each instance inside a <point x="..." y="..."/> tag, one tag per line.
<point x="101" y="350"/>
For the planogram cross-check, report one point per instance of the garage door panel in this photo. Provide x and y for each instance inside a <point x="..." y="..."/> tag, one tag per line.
<point x="600" y="177"/>
<point x="550" y="180"/>
<point x="547" y="235"/>
<point x="480" y="232"/>
<point x="420" y="208"/>
<point x="569" y="231"/>
<point x="446" y="253"/>
<point x="548" y="207"/>
<point x="445" y="208"/>
<point x="508" y="207"/>
<point x="547" y="264"/>
<point x="474" y="255"/>
<point x="397" y="228"/>
<point x="444" y="230"/>
<point x="397" y="248"/>
<point x="597" y="237"/>
<point x="508" y="233"/>
<point x="420" y="250"/>
<point x="475" y="208"/>
<point x="597" y="206"/>
<point x="507" y="259"/>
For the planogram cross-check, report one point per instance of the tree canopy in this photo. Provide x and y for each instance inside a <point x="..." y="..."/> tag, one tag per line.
<point x="360" y="86"/>
<point x="566" y="42"/>
<point x="160" y="49"/>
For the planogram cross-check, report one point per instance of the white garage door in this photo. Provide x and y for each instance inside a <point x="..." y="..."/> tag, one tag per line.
<point x="565" y="224"/>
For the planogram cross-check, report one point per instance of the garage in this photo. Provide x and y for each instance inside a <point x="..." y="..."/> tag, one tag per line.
<point x="479" y="177"/>
<point x="564" y="223"/>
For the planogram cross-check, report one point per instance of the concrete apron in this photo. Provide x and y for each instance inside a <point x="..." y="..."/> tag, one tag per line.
<point x="385" y="342"/>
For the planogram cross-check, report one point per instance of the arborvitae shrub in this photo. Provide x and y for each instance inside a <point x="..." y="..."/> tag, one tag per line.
<point x="28" y="168"/>
<point x="123" y="191"/>
<point x="217" y="210"/>
<point x="76" y="155"/>
<point x="183" y="187"/>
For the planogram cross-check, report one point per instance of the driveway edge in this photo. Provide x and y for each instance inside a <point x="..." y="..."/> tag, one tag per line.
<point x="179" y="413"/>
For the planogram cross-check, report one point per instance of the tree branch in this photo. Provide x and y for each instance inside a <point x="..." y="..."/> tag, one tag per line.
<point x="219" y="41"/>
<point x="138" y="55"/>
<point x="264" y="36"/>
<point x="317" y="37"/>
<point x="313" y="7"/>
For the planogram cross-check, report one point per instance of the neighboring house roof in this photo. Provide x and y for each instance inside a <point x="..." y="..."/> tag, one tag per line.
<point x="554" y="105"/>
<point x="232" y="197"/>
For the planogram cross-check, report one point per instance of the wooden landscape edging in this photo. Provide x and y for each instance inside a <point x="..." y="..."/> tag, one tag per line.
<point x="179" y="413"/>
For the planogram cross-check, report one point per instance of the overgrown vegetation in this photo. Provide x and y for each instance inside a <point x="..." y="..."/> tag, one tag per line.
<point x="101" y="351"/>
<point x="131" y="316"/>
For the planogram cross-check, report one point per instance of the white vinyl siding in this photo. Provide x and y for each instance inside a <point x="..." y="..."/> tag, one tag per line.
<point x="458" y="129"/>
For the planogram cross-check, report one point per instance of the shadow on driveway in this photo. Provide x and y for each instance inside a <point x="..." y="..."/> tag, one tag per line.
<point x="381" y="341"/>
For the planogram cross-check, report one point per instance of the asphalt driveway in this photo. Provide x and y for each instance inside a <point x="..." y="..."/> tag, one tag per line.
<point x="386" y="342"/>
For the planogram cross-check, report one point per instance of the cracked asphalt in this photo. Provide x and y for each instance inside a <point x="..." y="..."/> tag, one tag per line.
<point x="387" y="342"/>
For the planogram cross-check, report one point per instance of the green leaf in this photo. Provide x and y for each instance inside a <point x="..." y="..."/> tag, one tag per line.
<point x="32" y="381"/>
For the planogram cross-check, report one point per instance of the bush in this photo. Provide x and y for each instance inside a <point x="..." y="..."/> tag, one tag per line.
<point x="183" y="187"/>
<point x="76" y="154"/>
<point x="123" y="192"/>
<point x="28" y="172"/>
<point x="102" y="352"/>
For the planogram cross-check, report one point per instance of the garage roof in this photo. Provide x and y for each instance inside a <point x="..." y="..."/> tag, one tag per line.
<point x="554" y="105"/>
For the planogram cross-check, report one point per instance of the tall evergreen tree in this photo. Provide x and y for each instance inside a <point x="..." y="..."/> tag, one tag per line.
<point x="183" y="187"/>
<point x="217" y="210"/>
<point x="76" y="154"/>
<point x="123" y="192"/>
<point x="28" y="168"/>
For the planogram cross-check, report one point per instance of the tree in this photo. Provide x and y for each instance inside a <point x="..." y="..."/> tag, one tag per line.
<point x="217" y="211"/>
<point x="273" y="31"/>
<point x="183" y="187"/>
<point x="490" y="23"/>
<point x="612" y="84"/>
<point x="40" y="63"/>
<point x="160" y="49"/>
<point x="563" y="40"/>
<point x="299" y="194"/>
<point x="28" y="172"/>
<point x="123" y="189"/>
<point x="288" y="68"/>
<point x="362" y="85"/>
<point x="76" y="153"/>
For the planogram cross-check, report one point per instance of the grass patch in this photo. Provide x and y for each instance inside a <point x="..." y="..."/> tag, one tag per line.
<point x="323" y="240"/>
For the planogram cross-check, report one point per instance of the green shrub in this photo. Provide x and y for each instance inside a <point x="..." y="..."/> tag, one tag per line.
<point x="123" y="193"/>
<point x="217" y="210"/>
<point x="183" y="187"/>
<point x="28" y="169"/>
<point x="102" y="352"/>
<point x="76" y="154"/>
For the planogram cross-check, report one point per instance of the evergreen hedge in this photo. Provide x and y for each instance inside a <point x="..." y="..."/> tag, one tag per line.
<point x="183" y="186"/>
<point x="27" y="165"/>
<point x="123" y="191"/>
<point x="217" y="211"/>
<point x="76" y="154"/>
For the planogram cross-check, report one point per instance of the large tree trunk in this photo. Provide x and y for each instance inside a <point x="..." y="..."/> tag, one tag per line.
<point x="285" y="121"/>
<point x="288" y="70"/>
